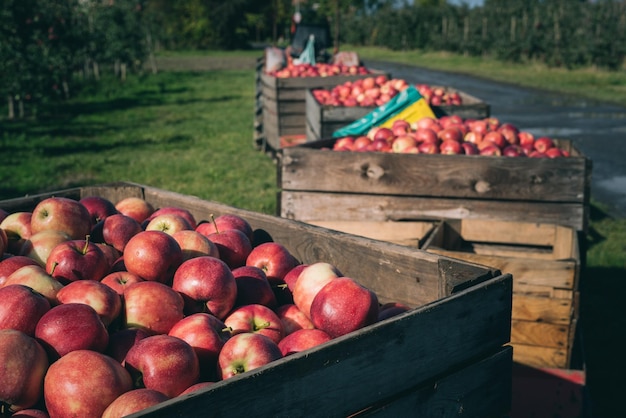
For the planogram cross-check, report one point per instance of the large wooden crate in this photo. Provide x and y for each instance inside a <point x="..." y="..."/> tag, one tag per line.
<point x="284" y="103"/>
<point x="319" y="184"/>
<point x="545" y="261"/>
<point x="449" y="355"/>
<point x="322" y="121"/>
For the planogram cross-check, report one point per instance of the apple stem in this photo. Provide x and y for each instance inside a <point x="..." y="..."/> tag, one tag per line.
<point x="228" y="330"/>
<point x="86" y="244"/>
<point x="214" y="223"/>
<point x="54" y="266"/>
<point x="264" y="325"/>
<point x="282" y="286"/>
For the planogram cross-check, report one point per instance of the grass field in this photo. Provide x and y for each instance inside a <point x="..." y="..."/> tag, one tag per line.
<point x="191" y="132"/>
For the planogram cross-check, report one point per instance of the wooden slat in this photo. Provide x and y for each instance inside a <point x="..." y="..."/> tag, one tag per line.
<point x="307" y="206"/>
<point x="554" y="311"/>
<point x="459" y="176"/>
<point x="540" y="334"/>
<point x="497" y="231"/>
<point x="410" y="234"/>
<point x="481" y="390"/>
<point x="537" y="356"/>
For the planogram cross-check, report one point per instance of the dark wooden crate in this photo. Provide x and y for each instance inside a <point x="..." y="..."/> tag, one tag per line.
<point x="449" y="353"/>
<point x="318" y="184"/>
<point x="322" y="121"/>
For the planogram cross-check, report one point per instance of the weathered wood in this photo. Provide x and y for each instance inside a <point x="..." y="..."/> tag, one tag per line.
<point x="410" y="234"/>
<point x="455" y="176"/>
<point x="471" y="392"/>
<point x="540" y="334"/>
<point x="307" y="206"/>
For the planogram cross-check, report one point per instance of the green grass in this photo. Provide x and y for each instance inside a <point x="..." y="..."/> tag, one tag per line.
<point x="185" y="132"/>
<point x="592" y="83"/>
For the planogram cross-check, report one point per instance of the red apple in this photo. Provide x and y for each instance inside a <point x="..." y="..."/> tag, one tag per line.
<point x="207" y="335"/>
<point x="384" y="133"/>
<point x="253" y="287"/>
<point x="61" y="214"/>
<point x="491" y="150"/>
<point x="450" y="146"/>
<point x="513" y="150"/>
<point x="118" y="229"/>
<point x="168" y="223"/>
<point x="23" y="365"/>
<point x="103" y="299"/>
<point x="245" y="352"/>
<point x="153" y="256"/>
<point x="542" y="144"/>
<point x="40" y="245"/>
<point x="493" y="137"/>
<point x="426" y="135"/>
<point x="69" y="327"/>
<point x="233" y="246"/>
<point x="135" y="207"/>
<point x="134" y="400"/>
<point x="21" y="308"/>
<point x="274" y="259"/>
<point x="119" y="280"/>
<point x="391" y="309"/>
<point x="84" y="383"/>
<point x="37" y="279"/>
<point x="194" y="244"/>
<point x="77" y="260"/>
<point x="207" y="285"/>
<point x="469" y="148"/>
<point x="473" y="137"/>
<point x="343" y="306"/>
<point x="12" y="263"/>
<point x="301" y="340"/>
<point x="526" y="138"/>
<point x="122" y="340"/>
<point x="402" y="143"/>
<point x="554" y="152"/>
<point x="145" y="361"/>
<point x="362" y="143"/>
<point x="183" y="213"/>
<point x="310" y="281"/>
<point x="197" y="387"/>
<point x="152" y="306"/>
<point x="99" y="208"/>
<point x="293" y="318"/>
<point x="428" y="148"/>
<point x="255" y="318"/>
<point x="510" y="133"/>
<point x="17" y="227"/>
<point x="450" y="133"/>
<point x="224" y="222"/>
<point x="292" y="276"/>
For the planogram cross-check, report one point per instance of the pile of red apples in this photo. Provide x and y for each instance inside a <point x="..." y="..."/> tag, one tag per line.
<point x="378" y="90"/>
<point x="109" y="308"/>
<point x="318" y="70"/>
<point x="453" y="135"/>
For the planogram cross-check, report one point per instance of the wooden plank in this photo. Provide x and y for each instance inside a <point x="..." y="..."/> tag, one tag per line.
<point x="307" y="206"/>
<point x="497" y="231"/>
<point x="554" y="311"/>
<point x="459" y="176"/>
<point x="470" y="325"/>
<point x="540" y="334"/>
<point x="474" y="391"/>
<point x="525" y="271"/>
<point x="536" y="356"/>
<point x="411" y="234"/>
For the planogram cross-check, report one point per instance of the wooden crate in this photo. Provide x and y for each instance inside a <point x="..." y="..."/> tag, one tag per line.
<point x="545" y="261"/>
<point x="322" y="121"/>
<point x="284" y="104"/>
<point x="449" y="353"/>
<point x="318" y="184"/>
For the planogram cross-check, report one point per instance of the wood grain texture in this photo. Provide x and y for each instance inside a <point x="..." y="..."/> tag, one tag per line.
<point x="309" y="206"/>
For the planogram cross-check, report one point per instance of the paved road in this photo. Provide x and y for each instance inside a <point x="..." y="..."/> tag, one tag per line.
<point x="598" y="130"/>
